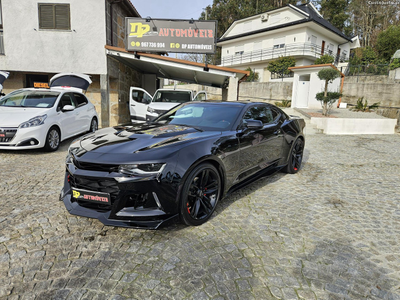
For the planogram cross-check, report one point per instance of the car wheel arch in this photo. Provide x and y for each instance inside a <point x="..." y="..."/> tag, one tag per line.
<point x="93" y="118"/>
<point x="59" y="130"/>
<point x="213" y="161"/>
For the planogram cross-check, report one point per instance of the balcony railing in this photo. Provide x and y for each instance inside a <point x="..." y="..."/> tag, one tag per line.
<point x="296" y="49"/>
<point x="1" y="43"/>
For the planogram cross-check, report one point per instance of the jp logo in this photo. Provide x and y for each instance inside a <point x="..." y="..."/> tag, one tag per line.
<point x="139" y="29"/>
<point x="76" y="194"/>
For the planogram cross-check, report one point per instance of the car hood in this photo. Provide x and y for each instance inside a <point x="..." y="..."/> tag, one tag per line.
<point x="14" y="116"/>
<point x="141" y="139"/>
<point x="163" y="105"/>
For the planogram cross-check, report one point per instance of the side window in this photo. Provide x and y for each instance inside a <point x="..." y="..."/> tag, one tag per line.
<point x="260" y="112"/>
<point x="140" y="97"/>
<point x="80" y="100"/>
<point x="66" y="99"/>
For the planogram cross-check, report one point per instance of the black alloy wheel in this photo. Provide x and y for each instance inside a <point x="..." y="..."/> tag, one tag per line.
<point x="53" y="139"/>
<point x="200" y="194"/>
<point x="93" y="125"/>
<point x="296" y="157"/>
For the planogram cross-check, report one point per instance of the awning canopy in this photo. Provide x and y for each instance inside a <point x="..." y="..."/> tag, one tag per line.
<point x="176" y="69"/>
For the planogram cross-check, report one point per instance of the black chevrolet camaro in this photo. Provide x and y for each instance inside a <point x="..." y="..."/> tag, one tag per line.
<point x="181" y="164"/>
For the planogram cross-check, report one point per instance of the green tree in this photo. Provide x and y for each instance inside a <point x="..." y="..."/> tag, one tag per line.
<point x="324" y="59"/>
<point x="327" y="98"/>
<point x="388" y="42"/>
<point x="336" y="12"/>
<point x="281" y="65"/>
<point x="253" y="75"/>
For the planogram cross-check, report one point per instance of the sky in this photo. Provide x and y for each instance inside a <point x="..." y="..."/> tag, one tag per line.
<point x="171" y="9"/>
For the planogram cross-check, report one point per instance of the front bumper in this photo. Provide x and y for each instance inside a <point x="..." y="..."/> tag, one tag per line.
<point x="136" y="202"/>
<point x="25" y="138"/>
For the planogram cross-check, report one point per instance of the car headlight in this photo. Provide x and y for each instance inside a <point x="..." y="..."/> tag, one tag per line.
<point x="141" y="169"/>
<point x="150" y="109"/>
<point x="36" y="121"/>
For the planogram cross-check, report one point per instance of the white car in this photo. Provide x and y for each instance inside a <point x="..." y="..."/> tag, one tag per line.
<point x="144" y="107"/>
<point x="36" y="118"/>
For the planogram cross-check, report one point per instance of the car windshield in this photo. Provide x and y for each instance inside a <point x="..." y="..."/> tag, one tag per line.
<point x="172" y="96"/>
<point x="39" y="99"/>
<point x="205" y="116"/>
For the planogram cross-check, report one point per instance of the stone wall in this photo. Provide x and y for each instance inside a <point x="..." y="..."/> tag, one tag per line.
<point x="265" y="91"/>
<point x="94" y="95"/>
<point x="121" y="78"/>
<point x="117" y="11"/>
<point x="254" y="91"/>
<point x="383" y="89"/>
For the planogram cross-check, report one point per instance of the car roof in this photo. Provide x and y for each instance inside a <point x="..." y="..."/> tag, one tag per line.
<point x="53" y="89"/>
<point x="174" y="90"/>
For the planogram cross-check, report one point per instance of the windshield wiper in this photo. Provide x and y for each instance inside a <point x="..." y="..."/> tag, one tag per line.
<point x="194" y="127"/>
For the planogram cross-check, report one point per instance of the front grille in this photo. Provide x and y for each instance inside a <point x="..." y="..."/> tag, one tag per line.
<point x="9" y="134"/>
<point x="102" y="185"/>
<point x="95" y="167"/>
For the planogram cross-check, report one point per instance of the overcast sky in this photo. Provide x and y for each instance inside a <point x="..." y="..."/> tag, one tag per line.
<point x="171" y="9"/>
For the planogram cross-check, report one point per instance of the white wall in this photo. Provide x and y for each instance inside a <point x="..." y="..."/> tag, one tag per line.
<point x="32" y="50"/>
<point x="287" y="15"/>
<point x="316" y="86"/>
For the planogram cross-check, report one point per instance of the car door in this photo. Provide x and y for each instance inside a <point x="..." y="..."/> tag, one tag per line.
<point x="82" y="113"/>
<point x="200" y="96"/>
<point x="67" y="119"/>
<point x="139" y="100"/>
<point x="261" y="147"/>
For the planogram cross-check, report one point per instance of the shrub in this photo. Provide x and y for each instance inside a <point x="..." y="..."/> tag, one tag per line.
<point x="324" y="59"/>
<point x="364" y="107"/>
<point x="284" y="103"/>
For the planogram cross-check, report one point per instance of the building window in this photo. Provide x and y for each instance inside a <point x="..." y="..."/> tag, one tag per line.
<point x="54" y="16"/>
<point x="239" y="50"/>
<point x="279" y="43"/>
<point x="313" y="40"/>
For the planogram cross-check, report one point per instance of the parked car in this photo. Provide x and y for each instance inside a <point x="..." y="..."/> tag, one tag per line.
<point x="181" y="164"/>
<point x="35" y="118"/>
<point x="145" y="107"/>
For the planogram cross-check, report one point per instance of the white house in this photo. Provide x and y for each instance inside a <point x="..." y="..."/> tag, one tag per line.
<point x="298" y="31"/>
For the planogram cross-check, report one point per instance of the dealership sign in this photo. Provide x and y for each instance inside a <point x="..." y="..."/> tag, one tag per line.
<point x="187" y="36"/>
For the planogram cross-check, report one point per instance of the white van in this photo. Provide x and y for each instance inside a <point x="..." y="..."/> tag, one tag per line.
<point x="144" y="107"/>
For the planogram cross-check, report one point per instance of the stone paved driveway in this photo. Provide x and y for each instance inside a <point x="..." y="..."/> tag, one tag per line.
<point x="330" y="232"/>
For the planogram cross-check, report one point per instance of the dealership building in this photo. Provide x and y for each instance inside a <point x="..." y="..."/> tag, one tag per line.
<point x="41" y="39"/>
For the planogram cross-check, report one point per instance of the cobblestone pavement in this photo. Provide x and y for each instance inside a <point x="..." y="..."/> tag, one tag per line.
<point x="331" y="231"/>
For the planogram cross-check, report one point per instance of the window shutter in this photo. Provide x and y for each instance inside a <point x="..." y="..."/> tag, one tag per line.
<point x="62" y="17"/>
<point x="46" y="17"/>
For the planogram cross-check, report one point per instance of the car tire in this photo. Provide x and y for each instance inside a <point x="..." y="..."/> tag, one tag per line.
<point x="295" y="157"/>
<point x="94" y="125"/>
<point x="200" y="194"/>
<point x="53" y="139"/>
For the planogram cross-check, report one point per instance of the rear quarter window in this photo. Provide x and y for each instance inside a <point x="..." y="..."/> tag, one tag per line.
<point x="80" y="100"/>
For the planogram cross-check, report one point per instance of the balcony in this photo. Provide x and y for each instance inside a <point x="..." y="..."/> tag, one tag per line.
<point x="305" y="50"/>
<point x="1" y="43"/>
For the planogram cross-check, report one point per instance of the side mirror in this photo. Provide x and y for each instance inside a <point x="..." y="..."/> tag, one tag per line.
<point x="68" y="108"/>
<point x="253" y="124"/>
